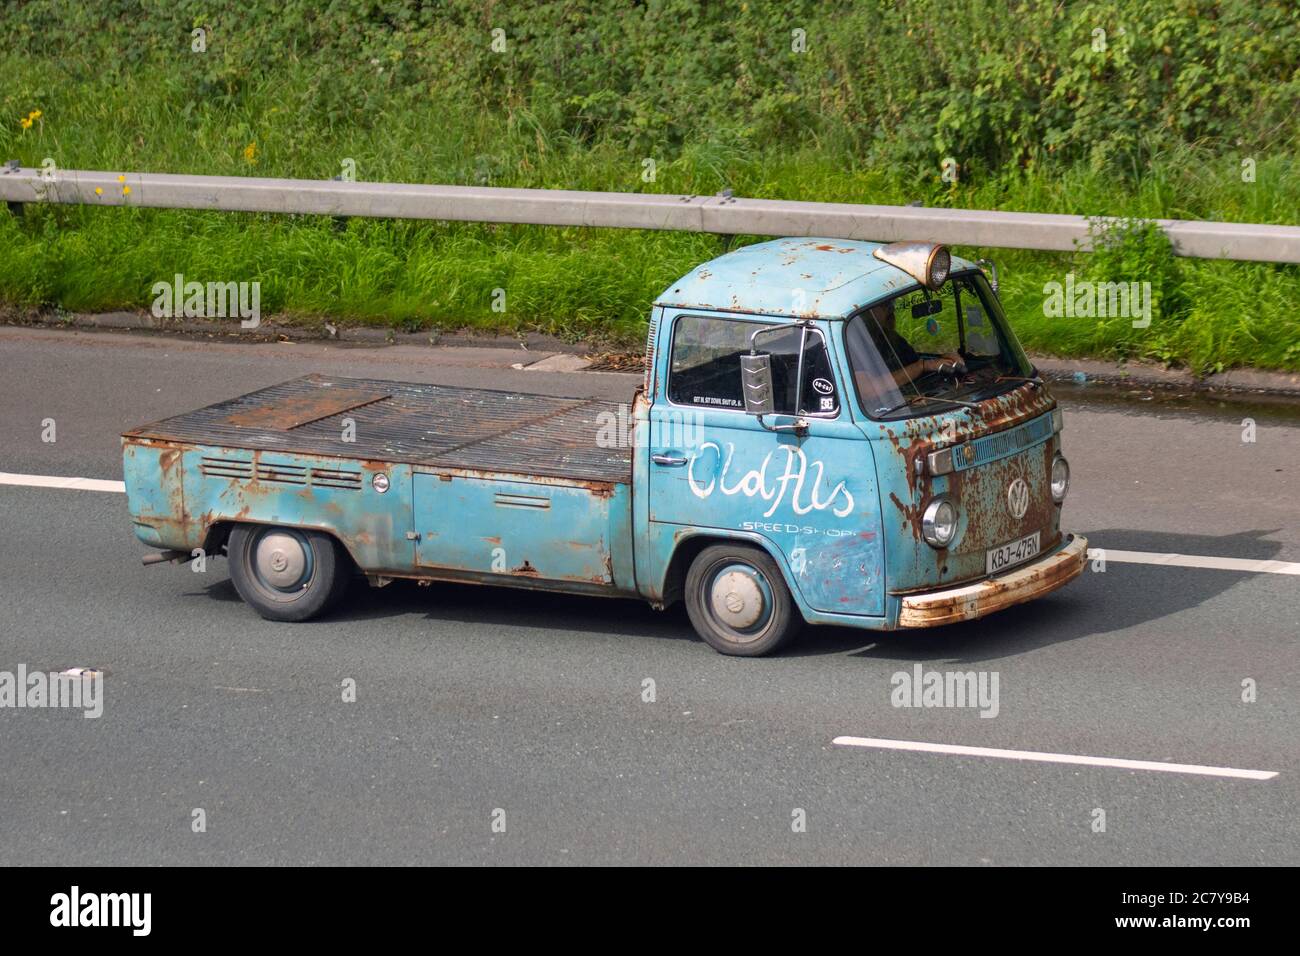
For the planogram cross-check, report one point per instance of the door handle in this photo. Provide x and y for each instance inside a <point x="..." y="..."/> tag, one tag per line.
<point x="671" y="461"/>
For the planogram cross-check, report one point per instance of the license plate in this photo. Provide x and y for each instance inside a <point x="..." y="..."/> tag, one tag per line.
<point x="999" y="559"/>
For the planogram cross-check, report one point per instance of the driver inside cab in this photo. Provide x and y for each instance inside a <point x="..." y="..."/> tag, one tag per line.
<point x="906" y="365"/>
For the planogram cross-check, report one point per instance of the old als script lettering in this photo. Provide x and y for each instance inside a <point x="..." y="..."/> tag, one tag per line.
<point x="763" y="482"/>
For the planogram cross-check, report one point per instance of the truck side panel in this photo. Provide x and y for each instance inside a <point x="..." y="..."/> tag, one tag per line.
<point x="546" y="529"/>
<point x="331" y="494"/>
<point x="477" y="526"/>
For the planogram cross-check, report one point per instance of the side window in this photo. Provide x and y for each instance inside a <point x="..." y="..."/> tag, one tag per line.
<point x="705" y="366"/>
<point x="981" y="339"/>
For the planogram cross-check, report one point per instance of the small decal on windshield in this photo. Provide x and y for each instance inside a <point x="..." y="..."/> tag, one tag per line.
<point x="822" y="386"/>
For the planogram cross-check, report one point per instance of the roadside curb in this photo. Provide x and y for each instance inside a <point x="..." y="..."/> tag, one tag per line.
<point x="1145" y="376"/>
<point x="323" y="331"/>
<point x="578" y="356"/>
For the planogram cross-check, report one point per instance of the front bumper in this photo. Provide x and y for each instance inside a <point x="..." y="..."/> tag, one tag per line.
<point x="1018" y="585"/>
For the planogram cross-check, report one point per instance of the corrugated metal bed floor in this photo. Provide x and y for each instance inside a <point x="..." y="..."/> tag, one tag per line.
<point x="432" y="425"/>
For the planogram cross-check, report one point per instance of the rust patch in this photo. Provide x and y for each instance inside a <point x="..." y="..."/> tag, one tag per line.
<point x="526" y="569"/>
<point x="285" y="414"/>
<point x="598" y="489"/>
<point x="169" y="459"/>
<point x="911" y="515"/>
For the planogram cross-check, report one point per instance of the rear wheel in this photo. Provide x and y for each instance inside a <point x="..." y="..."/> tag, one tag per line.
<point x="738" y="602"/>
<point x="286" y="574"/>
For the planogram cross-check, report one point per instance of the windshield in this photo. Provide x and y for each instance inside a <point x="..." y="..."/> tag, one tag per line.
<point x="922" y="352"/>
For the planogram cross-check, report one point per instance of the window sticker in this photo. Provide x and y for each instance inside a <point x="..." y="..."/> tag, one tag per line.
<point x="716" y="400"/>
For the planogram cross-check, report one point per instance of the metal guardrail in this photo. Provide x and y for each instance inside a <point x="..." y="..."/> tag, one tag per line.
<point x="726" y="215"/>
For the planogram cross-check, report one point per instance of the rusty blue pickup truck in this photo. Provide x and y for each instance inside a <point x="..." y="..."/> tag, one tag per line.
<point x="828" y="432"/>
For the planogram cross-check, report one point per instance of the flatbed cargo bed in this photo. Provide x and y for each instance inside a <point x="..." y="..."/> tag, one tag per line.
<point x="436" y="426"/>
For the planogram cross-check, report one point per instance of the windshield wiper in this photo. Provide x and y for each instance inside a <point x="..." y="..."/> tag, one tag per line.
<point x="1036" y="381"/>
<point x="925" y="398"/>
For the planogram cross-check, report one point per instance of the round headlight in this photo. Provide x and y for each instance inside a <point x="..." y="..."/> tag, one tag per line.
<point x="380" y="482"/>
<point x="940" y="266"/>
<point x="939" y="523"/>
<point x="1060" y="478"/>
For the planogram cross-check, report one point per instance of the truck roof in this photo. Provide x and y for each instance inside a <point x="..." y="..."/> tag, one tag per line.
<point x="837" y="277"/>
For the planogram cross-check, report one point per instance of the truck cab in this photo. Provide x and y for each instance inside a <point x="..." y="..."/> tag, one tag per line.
<point x="864" y="415"/>
<point x="829" y="432"/>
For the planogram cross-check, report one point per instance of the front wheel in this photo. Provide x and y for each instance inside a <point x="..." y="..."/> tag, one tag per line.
<point x="286" y="574"/>
<point x="738" y="602"/>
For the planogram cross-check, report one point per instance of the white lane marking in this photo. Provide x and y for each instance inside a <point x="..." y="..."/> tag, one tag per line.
<point x="60" y="481"/>
<point x="1195" y="561"/>
<point x="1120" y="762"/>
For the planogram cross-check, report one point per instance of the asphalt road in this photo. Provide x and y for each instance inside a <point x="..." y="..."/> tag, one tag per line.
<point x="473" y="701"/>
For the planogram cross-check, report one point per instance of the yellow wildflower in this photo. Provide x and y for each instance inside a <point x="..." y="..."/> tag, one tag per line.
<point x="126" y="190"/>
<point x="25" y="122"/>
<point x="99" y="191"/>
<point x="250" y="152"/>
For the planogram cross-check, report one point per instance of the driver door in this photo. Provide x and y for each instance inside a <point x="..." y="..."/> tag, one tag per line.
<point x="812" y="498"/>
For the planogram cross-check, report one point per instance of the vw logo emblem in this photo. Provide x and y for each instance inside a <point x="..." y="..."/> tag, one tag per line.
<point x="1018" y="498"/>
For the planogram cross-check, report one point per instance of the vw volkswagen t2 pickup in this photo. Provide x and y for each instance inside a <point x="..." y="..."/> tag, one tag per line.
<point x="828" y="432"/>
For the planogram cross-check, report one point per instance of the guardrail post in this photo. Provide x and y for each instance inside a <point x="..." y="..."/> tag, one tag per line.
<point x="16" y="208"/>
<point x="728" y="239"/>
<point x="340" y="222"/>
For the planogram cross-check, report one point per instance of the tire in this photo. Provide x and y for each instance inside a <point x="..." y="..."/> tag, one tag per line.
<point x="738" y="601"/>
<point x="286" y="574"/>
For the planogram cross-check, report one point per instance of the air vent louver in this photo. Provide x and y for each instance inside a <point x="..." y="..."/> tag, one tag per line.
<point x="281" y="474"/>
<point x="225" y="468"/>
<point x="335" y="478"/>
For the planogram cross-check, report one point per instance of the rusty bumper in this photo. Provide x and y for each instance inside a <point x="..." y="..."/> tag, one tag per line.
<point x="984" y="597"/>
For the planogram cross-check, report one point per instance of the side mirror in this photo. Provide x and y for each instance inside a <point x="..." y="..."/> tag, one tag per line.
<point x="988" y="267"/>
<point x="756" y="383"/>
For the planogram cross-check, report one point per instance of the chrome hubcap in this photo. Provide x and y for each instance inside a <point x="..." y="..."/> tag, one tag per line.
<point x="737" y="599"/>
<point x="280" y="560"/>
